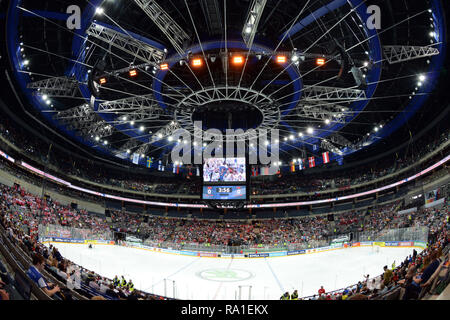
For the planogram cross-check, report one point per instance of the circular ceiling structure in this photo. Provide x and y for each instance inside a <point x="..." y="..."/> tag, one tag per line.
<point x="329" y="75"/>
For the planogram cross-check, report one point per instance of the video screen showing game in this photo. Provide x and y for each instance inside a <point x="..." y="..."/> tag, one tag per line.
<point x="224" y="170"/>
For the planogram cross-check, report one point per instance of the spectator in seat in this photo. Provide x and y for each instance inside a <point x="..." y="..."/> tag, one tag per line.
<point x="4" y="295"/>
<point x="413" y="289"/>
<point x="321" y="291"/>
<point x="387" y="276"/>
<point x="434" y="264"/>
<point x="34" y="272"/>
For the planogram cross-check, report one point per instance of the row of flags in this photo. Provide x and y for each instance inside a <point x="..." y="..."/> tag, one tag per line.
<point x="311" y="162"/>
<point x="300" y="164"/>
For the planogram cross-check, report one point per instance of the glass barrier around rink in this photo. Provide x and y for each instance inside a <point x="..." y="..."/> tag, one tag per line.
<point x="403" y="234"/>
<point x="56" y="231"/>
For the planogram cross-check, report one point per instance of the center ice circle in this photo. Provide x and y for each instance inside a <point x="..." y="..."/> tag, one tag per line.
<point x="225" y="275"/>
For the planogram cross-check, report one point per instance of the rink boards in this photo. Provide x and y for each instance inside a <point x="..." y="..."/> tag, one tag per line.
<point x="390" y="244"/>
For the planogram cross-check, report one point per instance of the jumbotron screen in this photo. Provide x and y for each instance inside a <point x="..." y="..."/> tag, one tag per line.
<point x="218" y="170"/>
<point x="224" y="192"/>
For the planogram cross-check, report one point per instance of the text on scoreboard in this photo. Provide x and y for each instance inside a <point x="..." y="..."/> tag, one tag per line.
<point x="224" y="192"/>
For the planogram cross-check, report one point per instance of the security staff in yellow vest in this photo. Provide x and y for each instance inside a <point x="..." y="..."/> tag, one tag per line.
<point x="294" y="295"/>
<point x="116" y="281"/>
<point x="123" y="283"/>
<point x="130" y="286"/>
<point x="285" y="296"/>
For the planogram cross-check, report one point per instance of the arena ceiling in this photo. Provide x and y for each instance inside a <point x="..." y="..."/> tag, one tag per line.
<point x="316" y="70"/>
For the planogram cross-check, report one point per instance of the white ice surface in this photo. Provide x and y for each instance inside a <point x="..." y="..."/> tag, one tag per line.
<point x="269" y="277"/>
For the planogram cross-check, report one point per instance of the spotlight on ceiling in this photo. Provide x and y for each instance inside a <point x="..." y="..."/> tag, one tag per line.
<point x="102" y="80"/>
<point x="320" y="61"/>
<point x="133" y="73"/>
<point x="164" y="66"/>
<point x="197" y="62"/>
<point x="281" y="59"/>
<point x="238" y="60"/>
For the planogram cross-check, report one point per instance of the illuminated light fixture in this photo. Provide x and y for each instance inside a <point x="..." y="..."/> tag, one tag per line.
<point x="128" y="151"/>
<point x="281" y="59"/>
<point x="238" y="60"/>
<point x="133" y="73"/>
<point x="248" y="29"/>
<point x="277" y="141"/>
<point x="141" y="128"/>
<point x="164" y="66"/>
<point x="97" y="138"/>
<point x="99" y="11"/>
<point x="294" y="58"/>
<point x="102" y="80"/>
<point x="195" y="143"/>
<point x="376" y="129"/>
<point x="300" y="134"/>
<point x="327" y="121"/>
<point x="310" y="130"/>
<point x="197" y="62"/>
<point x="160" y="135"/>
<point x="45" y="97"/>
<point x="26" y="62"/>
<point x="285" y="139"/>
<point x="48" y="102"/>
<point x="266" y="143"/>
<point x="170" y="139"/>
<point x="291" y="137"/>
<point x="320" y="61"/>
<point x="132" y="123"/>
<point x="422" y="78"/>
<point x="105" y="142"/>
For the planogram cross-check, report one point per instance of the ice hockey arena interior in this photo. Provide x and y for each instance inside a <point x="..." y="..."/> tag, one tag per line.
<point x="239" y="150"/>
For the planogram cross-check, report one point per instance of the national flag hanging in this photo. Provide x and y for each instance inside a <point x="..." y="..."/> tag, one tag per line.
<point x="315" y="147"/>
<point x="301" y="164"/>
<point x="292" y="166"/>
<point x="326" y="157"/>
<point x="149" y="162"/>
<point x="264" y="171"/>
<point x="135" y="158"/>
<point x="312" y="162"/>
<point x="254" y="172"/>
<point x="159" y="165"/>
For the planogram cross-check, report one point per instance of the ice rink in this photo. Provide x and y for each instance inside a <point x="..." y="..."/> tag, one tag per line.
<point x="200" y="278"/>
